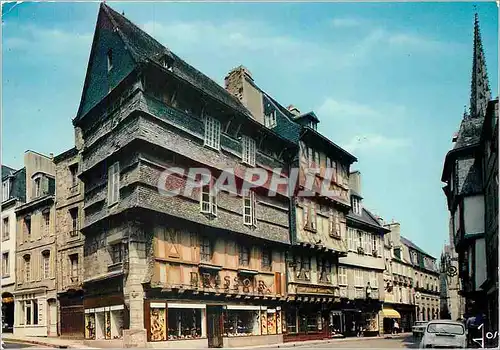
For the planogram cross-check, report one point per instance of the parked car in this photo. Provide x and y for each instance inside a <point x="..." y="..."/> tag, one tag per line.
<point x="444" y="334"/>
<point x="419" y="328"/>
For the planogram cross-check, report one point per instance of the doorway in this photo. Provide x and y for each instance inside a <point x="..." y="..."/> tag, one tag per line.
<point x="214" y="326"/>
<point x="52" y="317"/>
<point x="7" y="312"/>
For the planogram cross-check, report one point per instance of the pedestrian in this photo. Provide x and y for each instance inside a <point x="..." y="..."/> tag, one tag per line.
<point x="396" y="327"/>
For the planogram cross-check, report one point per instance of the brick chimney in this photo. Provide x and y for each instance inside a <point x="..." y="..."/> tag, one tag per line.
<point x="355" y="181"/>
<point x="294" y="110"/>
<point x="239" y="82"/>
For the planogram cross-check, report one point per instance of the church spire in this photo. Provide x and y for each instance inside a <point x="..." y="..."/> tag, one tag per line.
<point x="480" y="89"/>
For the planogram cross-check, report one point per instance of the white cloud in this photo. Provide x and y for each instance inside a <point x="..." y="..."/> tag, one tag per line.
<point x="354" y="111"/>
<point x="376" y="143"/>
<point x="348" y="22"/>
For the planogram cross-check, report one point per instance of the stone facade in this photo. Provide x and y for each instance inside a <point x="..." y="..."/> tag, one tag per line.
<point x="69" y="219"/>
<point x="35" y="292"/>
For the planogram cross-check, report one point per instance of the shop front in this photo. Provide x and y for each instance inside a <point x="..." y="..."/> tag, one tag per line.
<point x="389" y="315"/>
<point x="193" y="324"/>
<point x="7" y="312"/>
<point x="105" y="314"/>
<point x="407" y="314"/>
<point x="305" y="322"/>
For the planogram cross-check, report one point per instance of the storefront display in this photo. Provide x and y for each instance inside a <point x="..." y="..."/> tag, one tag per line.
<point x="184" y="324"/>
<point x="336" y="324"/>
<point x="104" y="322"/>
<point x="271" y="321"/>
<point x="263" y="322"/>
<point x="158" y="323"/>
<point x="241" y="323"/>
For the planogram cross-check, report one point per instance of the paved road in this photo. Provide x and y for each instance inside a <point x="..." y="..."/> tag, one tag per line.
<point x="374" y="343"/>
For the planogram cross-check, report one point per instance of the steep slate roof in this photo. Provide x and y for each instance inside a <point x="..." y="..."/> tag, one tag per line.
<point x="366" y="217"/>
<point x="470" y="132"/>
<point x="144" y="47"/>
<point x="410" y="244"/>
<point x="7" y="171"/>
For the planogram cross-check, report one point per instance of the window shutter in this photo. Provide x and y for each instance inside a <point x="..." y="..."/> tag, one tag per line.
<point x="110" y="184"/>
<point x="306" y="213"/>
<point x="214" y="202"/>
<point x="254" y="205"/>
<point x="277" y="283"/>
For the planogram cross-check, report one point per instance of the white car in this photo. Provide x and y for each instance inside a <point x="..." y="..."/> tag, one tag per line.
<point x="444" y="334"/>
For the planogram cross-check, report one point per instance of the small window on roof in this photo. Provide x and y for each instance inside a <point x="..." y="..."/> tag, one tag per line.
<point x="110" y="59"/>
<point x="168" y="63"/>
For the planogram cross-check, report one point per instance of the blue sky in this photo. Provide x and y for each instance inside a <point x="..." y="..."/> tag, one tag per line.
<point x="388" y="81"/>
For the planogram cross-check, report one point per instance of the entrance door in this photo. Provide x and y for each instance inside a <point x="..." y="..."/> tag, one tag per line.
<point x="52" y="317"/>
<point x="214" y="326"/>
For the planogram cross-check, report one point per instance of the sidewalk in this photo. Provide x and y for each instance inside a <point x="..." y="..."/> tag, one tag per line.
<point x="52" y="342"/>
<point x="63" y="343"/>
<point x="326" y="341"/>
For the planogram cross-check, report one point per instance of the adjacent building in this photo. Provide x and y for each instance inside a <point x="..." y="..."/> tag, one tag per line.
<point x="318" y="221"/>
<point x="489" y="157"/>
<point x="69" y="219"/>
<point x="399" y="284"/>
<point x="205" y="267"/>
<point x="360" y="273"/>
<point x="13" y="195"/>
<point x="452" y="303"/>
<point x="35" y="291"/>
<point x="426" y="281"/>
<point x="465" y="189"/>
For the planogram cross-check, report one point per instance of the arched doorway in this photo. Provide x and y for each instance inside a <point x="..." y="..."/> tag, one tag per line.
<point x="428" y="314"/>
<point x="423" y="314"/>
<point x="7" y="312"/>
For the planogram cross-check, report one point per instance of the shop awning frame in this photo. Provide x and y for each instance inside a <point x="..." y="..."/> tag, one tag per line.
<point x="390" y="313"/>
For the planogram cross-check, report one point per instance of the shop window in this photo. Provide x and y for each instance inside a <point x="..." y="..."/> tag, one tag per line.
<point x="291" y="321"/>
<point x="104" y="322"/>
<point x="303" y="268"/>
<point x="29" y="312"/>
<point x="158" y="313"/>
<point x="184" y="324"/>
<point x="241" y="323"/>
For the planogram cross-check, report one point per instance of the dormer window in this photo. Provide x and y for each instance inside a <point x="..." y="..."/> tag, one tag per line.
<point x="110" y="59"/>
<point x="5" y="190"/>
<point x="42" y="185"/>
<point x="356" y="205"/>
<point x="270" y="120"/>
<point x="168" y="63"/>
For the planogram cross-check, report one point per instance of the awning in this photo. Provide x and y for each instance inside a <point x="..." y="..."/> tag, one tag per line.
<point x="390" y="313"/>
<point x="7" y="300"/>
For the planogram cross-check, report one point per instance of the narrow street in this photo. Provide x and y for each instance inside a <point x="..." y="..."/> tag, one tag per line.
<point x="364" y="343"/>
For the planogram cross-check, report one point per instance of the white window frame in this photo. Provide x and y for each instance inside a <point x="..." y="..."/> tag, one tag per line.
<point x="356" y="206"/>
<point x="351" y="239"/>
<point x="270" y="120"/>
<point x="114" y="183"/>
<point x="46" y="264"/>
<point x="358" y="278"/>
<point x="5" y="228"/>
<point x="249" y="202"/>
<point x="249" y="150"/>
<point x="5" y="190"/>
<point x="212" y="133"/>
<point x="342" y="276"/>
<point x="5" y="264"/>
<point x="374" y="280"/>
<point x="210" y="206"/>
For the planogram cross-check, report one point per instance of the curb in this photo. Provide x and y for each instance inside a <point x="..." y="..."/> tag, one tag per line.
<point x="38" y="342"/>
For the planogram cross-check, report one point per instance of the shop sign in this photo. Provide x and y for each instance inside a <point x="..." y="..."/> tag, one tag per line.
<point x="315" y="290"/>
<point x="245" y="284"/>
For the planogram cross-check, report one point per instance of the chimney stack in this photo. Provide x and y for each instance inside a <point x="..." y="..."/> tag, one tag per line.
<point x="51" y="155"/>
<point x="294" y="110"/>
<point x="355" y="181"/>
